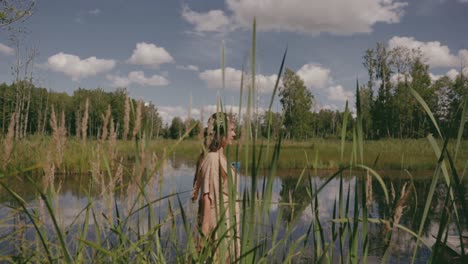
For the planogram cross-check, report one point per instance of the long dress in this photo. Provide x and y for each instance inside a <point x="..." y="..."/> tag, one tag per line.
<point x="214" y="174"/>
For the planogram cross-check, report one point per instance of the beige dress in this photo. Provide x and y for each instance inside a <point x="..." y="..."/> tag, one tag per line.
<point x="212" y="178"/>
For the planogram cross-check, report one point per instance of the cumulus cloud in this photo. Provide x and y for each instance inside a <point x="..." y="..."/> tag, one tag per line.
<point x="4" y="49"/>
<point x="94" y="12"/>
<point x="137" y="77"/>
<point x="76" y="68"/>
<point x="453" y="74"/>
<point x="213" y="78"/>
<point x="435" y="77"/>
<point x="187" y="67"/>
<point x="338" y="93"/>
<point x="314" y="76"/>
<point x="167" y="113"/>
<point x="149" y="54"/>
<point x="398" y="77"/>
<point x="463" y="55"/>
<point x="211" y="21"/>
<point x="341" y="17"/>
<point x="436" y="54"/>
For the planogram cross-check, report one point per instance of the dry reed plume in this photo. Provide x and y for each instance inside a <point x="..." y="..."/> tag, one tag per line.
<point x="59" y="135"/>
<point x="8" y="141"/>
<point x="126" y="118"/>
<point x="137" y="126"/>
<point x="106" y="119"/>
<point x="399" y="206"/>
<point x="84" y="123"/>
<point x="78" y="124"/>
<point x="49" y="173"/>
<point x="369" y="198"/>
<point x="112" y="146"/>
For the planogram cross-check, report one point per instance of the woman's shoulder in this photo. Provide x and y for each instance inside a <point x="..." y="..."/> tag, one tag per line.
<point x="211" y="156"/>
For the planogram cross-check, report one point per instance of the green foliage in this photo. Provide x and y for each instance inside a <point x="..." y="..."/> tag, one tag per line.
<point x="177" y="128"/>
<point x="40" y="101"/>
<point x="297" y="101"/>
<point x="394" y="112"/>
<point x="15" y="10"/>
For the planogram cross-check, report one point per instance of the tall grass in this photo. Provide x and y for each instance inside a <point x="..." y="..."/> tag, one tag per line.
<point x="155" y="226"/>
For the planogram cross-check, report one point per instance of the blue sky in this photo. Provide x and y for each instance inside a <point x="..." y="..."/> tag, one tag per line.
<point x="169" y="52"/>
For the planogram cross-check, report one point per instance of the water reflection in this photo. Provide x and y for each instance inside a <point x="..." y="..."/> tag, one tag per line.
<point x="290" y="198"/>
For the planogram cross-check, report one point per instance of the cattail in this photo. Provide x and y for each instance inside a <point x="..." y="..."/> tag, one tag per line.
<point x="126" y="118"/>
<point x="106" y="123"/>
<point x="84" y="123"/>
<point x="8" y="141"/>
<point x="137" y="126"/>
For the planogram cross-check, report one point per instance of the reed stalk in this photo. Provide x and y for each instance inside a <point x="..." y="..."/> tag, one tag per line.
<point x="84" y="122"/>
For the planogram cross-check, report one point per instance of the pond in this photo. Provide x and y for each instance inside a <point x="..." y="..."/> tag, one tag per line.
<point x="112" y="199"/>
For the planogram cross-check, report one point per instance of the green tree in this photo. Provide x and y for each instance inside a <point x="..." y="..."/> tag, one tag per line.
<point x="275" y="125"/>
<point x="297" y="101"/>
<point x="176" y="130"/>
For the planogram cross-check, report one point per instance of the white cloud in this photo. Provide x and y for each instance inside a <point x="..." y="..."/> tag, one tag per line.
<point x="338" y="93"/>
<point x="149" y="54"/>
<point x="463" y="55"/>
<point x="314" y="76"/>
<point x="398" y="77"/>
<point x="76" y="68"/>
<point x="341" y="17"/>
<point x="6" y="50"/>
<point x="167" y="113"/>
<point x="436" y="54"/>
<point x="452" y="74"/>
<point x="435" y="77"/>
<point x="139" y="78"/>
<point x="94" y="12"/>
<point x="211" y="21"/>
<point x="463" y="1"/>
<point x="213" y="78"/>
<point x="187" y="67"/>
<point x="317" y="107"/>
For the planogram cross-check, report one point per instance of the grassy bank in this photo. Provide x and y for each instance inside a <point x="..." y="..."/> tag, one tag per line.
<point x="391" y="154"/>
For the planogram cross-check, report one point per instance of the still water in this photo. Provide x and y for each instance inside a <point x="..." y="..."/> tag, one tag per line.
<point x="74" y="193"/>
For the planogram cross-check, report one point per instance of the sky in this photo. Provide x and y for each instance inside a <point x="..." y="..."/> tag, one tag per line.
<point x="170" y="52"/>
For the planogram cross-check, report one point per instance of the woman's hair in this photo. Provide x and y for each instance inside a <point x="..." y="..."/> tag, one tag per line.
<point x="215" y="133"/>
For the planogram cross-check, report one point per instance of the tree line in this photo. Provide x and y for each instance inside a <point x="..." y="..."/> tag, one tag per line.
<point x="388" y="109"/>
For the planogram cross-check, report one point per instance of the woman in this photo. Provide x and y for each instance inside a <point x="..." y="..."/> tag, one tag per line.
<point x="212" y="178"/>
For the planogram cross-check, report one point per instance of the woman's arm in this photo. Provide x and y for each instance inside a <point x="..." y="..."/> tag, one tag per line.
<point x="206" y="215"/>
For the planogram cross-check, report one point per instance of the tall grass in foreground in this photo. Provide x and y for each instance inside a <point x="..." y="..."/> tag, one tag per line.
<point x="148" y="226"/>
